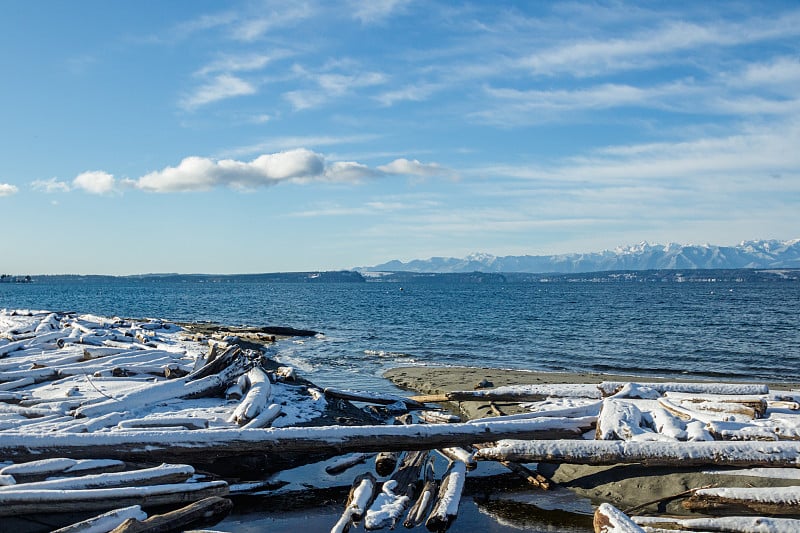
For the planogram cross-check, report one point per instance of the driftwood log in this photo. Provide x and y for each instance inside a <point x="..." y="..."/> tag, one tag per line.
<point x="445" y="508"/>
<point x="748" y="500"/>
<point x="203" y="511"/>
<point x="200" y="445"/>
<point x="716" y="453"/>
<point x="728" y="524"/>
<point x="106" y="521"/>
<point x="20" y="502"/>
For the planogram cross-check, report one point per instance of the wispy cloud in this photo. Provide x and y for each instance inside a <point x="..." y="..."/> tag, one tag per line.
<point x="53" y="185"/>
<point x="376" y="10"/>
<point x="241" y="63"/>
<point x="6" y="189"/>
<point x="219" y="88"/>
<point x="269" y="16"/>
<point x="329" y="85"/>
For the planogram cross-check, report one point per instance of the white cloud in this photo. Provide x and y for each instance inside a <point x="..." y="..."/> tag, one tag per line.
<point x="330" y="85"/>
<point x="219" y="88"/>
<point x="94" y="182"/>
<point x="407" y="167"/>
<point x="53" y="185"/>
<point x="298" y="166"/>
<point x="6" y="189"/>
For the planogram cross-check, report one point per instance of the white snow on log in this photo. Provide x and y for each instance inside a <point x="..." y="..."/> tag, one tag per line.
<point x="565" y="390"/>
<point x="609" y="519"/>
<point x="445" y="509"/>
<point x="668" y="425"/>
<point x="346" y="462"/>
<point x="167" y="421"/>
<point x="696" y="432"/>
<point x="737" y="524"/>
<point x="105" y="522"/>
<point x="42" y="467"/>
<point x="256" y="398"/>
<point x="99" y="481"/>
<point x="733" y="453"/>
<point x="361" y="498"/>
<point x="637" y="390"/>
<point x="82" y="465"/>
<point x="610" y="387"/>
<point x="588" y="408"/>
<point x="776" y="495"/>
<point x="7" y="480"/>
<point x="9" y="498"/>
<point x="618" y="420"/>
<point x="386" y="509"/>
<point x="264" y="418"/>
<point x="773" y="473"/>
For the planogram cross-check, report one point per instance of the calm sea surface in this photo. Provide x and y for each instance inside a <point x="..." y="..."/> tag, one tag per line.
<point x="743" y="330"/>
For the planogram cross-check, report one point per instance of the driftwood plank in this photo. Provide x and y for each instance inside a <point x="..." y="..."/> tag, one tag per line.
<point x="727" y="524"/>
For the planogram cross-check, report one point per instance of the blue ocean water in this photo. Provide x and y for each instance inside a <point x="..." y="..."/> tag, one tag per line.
<point x="746" y="330"/>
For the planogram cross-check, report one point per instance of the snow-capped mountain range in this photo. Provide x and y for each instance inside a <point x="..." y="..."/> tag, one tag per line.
<point x="748" y="254"/>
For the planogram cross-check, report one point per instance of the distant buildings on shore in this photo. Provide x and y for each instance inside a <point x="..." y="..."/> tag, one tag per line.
<point x="6" y="278"/>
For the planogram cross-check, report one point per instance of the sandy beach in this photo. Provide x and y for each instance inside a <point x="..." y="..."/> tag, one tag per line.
<point x="625" y="486"/>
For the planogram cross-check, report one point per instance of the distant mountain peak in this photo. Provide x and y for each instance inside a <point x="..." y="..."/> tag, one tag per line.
<point x="641" y="256"/>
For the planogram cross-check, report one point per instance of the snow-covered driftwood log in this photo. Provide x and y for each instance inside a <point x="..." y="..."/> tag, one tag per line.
<point x="612" y="387"/>
<point x="445" y="509"/>
<point x="778" y="454"/>
<point x="213" y="507"/>
<point x="514" y="393"/>
<point x="18" y="502"/>
<point x="255" y="401"/>
<point x="748" y="500"/>
<point x="724" y="524"/>
<point x="160" y="475"/>
<point x="330" y="440"/>
<point x="106" y="521"/>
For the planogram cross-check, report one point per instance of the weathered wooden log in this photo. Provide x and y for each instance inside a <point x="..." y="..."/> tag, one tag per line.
<point x="17" y="383"/>
<point x="445" y="508"/>
<point x="154" y="422"/>
<point x="223" y="361"/>
<point x="370" y="397"/>
<point x="684" y="413"/>
<point x="256" y="398"/>
<point x="386" y="462"/>
<point x="438" y="417"/>
<point x="20" y="502"/>
<point x="106" y="521"/>
<point x="330" y="440"/>
<point x="386" y="508"/>
<point x="726" y="524"/>
<point x="757" y="404"/>
<point x="6" y="349"/>
<point x="748" y="500"/>
<point x="770" y="429"/>
<point x="457" y="453"/>
<point x="718" y="453"/>
<point x="362" y="493"/>
<point x="748" y="389"/>
<point x="421" y="508"/>
<point x="609" y="519"/>
<point x="160" y="475"/>
<point x="207" y="509"/>
<point x="345" y="463"/>
<point x="514" y="393"/>
<point x="265" y="417"/>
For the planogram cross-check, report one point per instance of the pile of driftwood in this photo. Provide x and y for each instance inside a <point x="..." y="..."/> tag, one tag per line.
<point x="87" y="391"/>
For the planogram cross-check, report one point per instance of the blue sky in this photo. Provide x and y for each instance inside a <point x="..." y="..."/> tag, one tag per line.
<point x="264" y="136"/>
